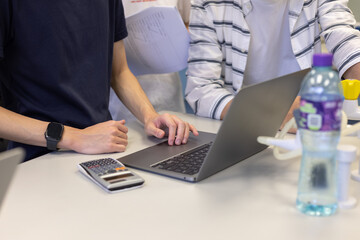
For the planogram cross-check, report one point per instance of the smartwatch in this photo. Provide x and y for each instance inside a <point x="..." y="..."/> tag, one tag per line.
<point x="53" y="135"/>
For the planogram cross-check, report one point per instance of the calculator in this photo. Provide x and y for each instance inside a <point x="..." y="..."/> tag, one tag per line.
<point x="110" y="174"/>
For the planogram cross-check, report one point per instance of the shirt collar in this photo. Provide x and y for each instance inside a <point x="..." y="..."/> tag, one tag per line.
<point x="295" y="6"/>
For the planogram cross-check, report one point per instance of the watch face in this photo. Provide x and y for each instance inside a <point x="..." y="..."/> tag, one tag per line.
<point x="55" y="130"/>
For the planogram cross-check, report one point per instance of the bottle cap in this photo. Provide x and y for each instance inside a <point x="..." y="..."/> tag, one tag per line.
<point x="346" y="153"/>
<point x="351" y="89"/>
<point x="322" y="59"/>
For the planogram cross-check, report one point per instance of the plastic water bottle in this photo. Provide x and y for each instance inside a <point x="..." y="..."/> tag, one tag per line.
<point x="320" y="121"/>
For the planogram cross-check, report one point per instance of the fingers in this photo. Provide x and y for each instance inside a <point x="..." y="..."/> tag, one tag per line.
<point x="118" y="147"/>
<point x="121" y="126"/>
<point x="193" y="130"/>
<point x="120" y="135"/>
<point x="178" y="130"/>
<point x="106" y="137"/>
<point x="119" y="132"/>
<point x="186" y="133"/>
<point x="171" y="124"/>
<point x="182" y="127"/>
<point x="152" y="130"/>
<point x="119" y="144"/>
<point x="183" y="131"/>
<point x="188" y="128"/>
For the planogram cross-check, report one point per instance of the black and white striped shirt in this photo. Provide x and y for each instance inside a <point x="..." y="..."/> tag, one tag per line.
<point x="220" y="39"/>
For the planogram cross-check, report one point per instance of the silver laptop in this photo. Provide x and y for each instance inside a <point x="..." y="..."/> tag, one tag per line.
<point x="8" y="162"/>
<point x="257" y="110"/>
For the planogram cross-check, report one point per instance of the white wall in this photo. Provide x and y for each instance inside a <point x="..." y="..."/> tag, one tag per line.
<point x="354" y="5"/>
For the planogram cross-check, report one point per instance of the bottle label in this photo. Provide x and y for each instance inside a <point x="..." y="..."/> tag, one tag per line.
<point x="320" y="116"/>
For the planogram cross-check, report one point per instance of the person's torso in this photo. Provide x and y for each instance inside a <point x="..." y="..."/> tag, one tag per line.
<point x="58" y="62"/>
<point x="270" y="52"/>
<point x="233" y="34"/>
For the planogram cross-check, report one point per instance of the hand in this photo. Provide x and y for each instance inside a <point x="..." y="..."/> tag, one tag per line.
<point x="106" y="137"/>
<point x="295" y="105"/>
<point x="178" y="130"/>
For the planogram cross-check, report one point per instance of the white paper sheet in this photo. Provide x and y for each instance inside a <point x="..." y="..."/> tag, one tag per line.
<point x="158" y="41"/>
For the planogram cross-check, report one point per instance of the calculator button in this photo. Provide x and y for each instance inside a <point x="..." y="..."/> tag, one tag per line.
<point x="97" y="171"/>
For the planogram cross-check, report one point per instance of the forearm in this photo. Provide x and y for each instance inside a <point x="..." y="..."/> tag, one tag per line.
<point x="353" y="72"/>
<point x="18" y="128"/>
<point x="104" y="137"/>
<point x="132" y="95"/>
<point x="127" y="87"/>
<point x="205" y="88"/>
<point x="129" y="91"/>
<point x="341" y="39"/>
<point x="225" y="110"/>
<point x="208" y="98"/>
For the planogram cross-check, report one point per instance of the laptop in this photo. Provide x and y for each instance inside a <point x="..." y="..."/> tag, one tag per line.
<point x="256" y="110"/>
<point x="8" y="162"/>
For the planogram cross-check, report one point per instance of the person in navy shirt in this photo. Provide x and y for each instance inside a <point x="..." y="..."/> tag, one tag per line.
<point x="58" y="60"/>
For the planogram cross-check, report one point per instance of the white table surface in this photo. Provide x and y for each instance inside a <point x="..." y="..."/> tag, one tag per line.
<point x="254" y="199"/>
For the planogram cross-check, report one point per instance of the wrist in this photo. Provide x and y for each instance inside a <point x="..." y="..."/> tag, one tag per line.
<point x="53" y="135"/>
<point x="150" y="116"/>
<point x="68" y="140"/>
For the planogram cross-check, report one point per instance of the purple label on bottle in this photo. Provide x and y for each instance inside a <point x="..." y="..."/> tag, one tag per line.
<point x="320" y="116"/>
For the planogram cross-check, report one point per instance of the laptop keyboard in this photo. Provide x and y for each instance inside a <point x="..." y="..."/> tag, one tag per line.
<point x="186" y="163"/>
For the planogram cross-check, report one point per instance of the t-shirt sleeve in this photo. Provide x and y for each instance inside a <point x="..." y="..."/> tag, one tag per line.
<point x="120" y="25"/>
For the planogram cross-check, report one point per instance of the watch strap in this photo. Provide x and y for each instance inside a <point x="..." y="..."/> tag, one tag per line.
<point x="53" y="135"/>
<point x="51" y="144"/>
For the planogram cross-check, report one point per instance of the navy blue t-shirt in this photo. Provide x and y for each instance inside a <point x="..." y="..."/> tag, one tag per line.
<point x="56" y="57"/>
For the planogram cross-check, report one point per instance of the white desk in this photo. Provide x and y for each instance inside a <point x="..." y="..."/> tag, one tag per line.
<point x="254" y="199"/>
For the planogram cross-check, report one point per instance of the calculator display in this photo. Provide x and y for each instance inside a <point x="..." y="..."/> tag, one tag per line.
<point x="117" y="178"/>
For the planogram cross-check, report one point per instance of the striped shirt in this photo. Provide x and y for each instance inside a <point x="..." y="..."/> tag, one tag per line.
<point x="220" y="39"/>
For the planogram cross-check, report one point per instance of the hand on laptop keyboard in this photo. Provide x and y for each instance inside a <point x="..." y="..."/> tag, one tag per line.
<point x="178" y="130"/>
